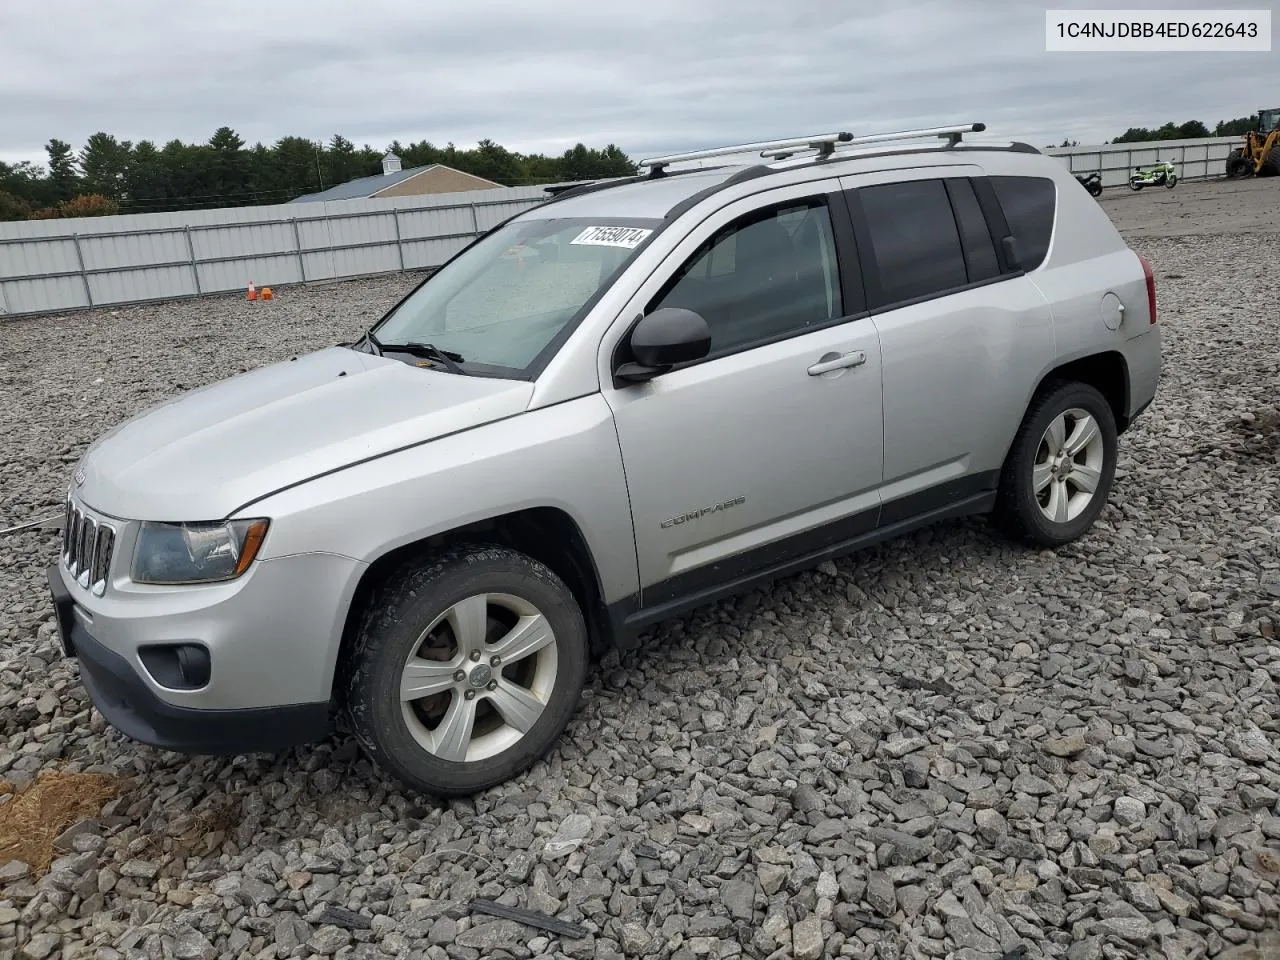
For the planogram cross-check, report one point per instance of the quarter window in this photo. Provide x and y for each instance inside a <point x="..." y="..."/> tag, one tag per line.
<point x="914" y="239"/>
<point x="767" y="275"/>
<point x="1029" y="204"/>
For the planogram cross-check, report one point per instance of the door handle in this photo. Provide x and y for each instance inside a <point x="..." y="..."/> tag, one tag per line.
<point x="836" y="361"/>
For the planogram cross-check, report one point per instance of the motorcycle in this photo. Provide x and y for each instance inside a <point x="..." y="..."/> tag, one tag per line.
<point x="1091" y="182"/>
<point x="1160" y="174"/>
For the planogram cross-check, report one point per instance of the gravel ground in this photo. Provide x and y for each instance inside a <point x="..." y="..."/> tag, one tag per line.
<point x="942" y="747"/>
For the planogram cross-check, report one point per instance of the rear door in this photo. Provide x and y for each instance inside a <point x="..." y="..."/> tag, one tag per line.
<point x="960" y="333"/>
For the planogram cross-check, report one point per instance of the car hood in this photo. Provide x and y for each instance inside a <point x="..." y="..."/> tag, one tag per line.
<point x="202" y="455"/>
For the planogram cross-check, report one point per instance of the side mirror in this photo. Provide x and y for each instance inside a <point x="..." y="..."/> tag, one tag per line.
<point x="1011" y="253"/>
<point x="662" y="339"/>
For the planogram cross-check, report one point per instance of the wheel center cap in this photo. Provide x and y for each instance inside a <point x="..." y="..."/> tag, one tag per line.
<point x="480" y="675"/>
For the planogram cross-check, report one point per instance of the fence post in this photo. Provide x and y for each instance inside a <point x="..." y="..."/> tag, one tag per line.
<point x="191" y="255"/>
<point x="4" y="307"/>
<point x="297" y="246"/>
<point x="475" y="220"/>
<point x="395" y="218"/>
<point x="88" y="293"/>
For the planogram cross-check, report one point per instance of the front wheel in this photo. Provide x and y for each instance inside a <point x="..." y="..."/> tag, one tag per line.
<point x="466" y="668"/>
<point x="1058" y="474"/>
<point x="1171" y="182"/>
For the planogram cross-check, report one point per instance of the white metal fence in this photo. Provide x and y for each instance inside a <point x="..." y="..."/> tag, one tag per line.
<point x="1195" y="159"/>
<point x="56" y="265"/>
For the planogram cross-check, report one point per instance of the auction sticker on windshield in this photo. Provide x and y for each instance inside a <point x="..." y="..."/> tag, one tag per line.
<point x="628" y="237"/>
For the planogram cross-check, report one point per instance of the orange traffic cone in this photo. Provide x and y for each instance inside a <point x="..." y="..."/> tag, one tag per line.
<point x="253" y="293"/>
<point x="266" y="293"/>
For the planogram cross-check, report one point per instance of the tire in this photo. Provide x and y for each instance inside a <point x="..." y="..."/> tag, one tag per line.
<point x="508" y="599"/>
<point x="1237" y="165"/>
<point x="1171" y="182"/>
<point x="1272" y="166"/>
<point x="1021" y="510"/>
<point x="1135" y="185"/>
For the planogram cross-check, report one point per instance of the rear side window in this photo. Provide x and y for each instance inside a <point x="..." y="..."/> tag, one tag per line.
<point x="979" y="250"/>
<point x="914" y="239"/>
<point x="1029" y="204"/>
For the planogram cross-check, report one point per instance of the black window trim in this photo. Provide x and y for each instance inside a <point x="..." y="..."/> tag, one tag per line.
<point x="852" y="286"/>
<point x="952" y="186"/>
<point x="871" y="269"/>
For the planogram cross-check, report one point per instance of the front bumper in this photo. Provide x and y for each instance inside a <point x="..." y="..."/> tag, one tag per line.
<point x="129" y="704"/>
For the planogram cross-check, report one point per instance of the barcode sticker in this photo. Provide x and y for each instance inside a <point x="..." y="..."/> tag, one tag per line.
<point x="627" y="237"/>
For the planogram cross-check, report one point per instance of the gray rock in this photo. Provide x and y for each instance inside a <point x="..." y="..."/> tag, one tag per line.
<point x="738" y="898"/>
<point x="328" y="940"/>
<point x="489" y="935"/>
<point x="1134" y="929"/>
<point x="881" y="893"/>
<point x="191" y="944"/>
<point x="806" y="939"/>
<point x="41" y="945"/>
<point x="12" y="871"/>
<point x="1029" y="783"/>
<point x="636" y="941"/>
<point x="1128" y="811"/>
<point x="1068" y="746"/>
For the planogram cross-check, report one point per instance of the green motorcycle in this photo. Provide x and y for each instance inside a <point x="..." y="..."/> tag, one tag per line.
<point x="1156" y="175"/>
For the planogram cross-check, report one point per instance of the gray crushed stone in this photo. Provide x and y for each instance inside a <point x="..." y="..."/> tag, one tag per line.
<point x="946" y="746"/>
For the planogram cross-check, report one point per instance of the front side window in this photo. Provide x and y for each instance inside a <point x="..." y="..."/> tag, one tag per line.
<point x="914" y="239"/>
<point x="766" y="275"/>
<point x="504" y="303"/>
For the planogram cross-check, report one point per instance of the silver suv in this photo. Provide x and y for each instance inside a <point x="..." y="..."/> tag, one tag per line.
<point x="638" y="397"/>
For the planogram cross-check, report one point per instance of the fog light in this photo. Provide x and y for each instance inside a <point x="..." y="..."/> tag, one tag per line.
<point x="178" y="666"/>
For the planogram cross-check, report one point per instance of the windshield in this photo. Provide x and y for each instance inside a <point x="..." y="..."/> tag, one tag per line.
<point x="498" y="306"/>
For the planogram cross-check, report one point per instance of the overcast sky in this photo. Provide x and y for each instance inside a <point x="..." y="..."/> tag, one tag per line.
<point x="649" y="75"/>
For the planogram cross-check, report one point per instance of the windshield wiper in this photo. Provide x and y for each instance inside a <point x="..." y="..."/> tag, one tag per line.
<point x="448" y="358"/>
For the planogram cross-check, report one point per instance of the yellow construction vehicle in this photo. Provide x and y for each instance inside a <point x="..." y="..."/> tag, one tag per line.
<point x="1260" y="153"/>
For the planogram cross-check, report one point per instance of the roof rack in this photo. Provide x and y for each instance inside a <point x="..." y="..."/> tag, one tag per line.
<point x="825" y="144"/>
<point x="822" y="142"/>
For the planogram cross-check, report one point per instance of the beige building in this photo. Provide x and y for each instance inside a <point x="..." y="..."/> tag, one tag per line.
<point x="396" y="182"/>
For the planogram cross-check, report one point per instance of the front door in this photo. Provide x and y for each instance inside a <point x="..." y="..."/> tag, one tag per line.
<point x="771" y="446"/>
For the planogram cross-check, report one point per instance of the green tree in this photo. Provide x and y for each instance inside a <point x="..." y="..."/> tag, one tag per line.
<point x="64" y="179"/>
<point x="228" y="168"/>
<point x="1237" y="127"/>
<point x="13" y="208"/>
<point x="104" y="162"/>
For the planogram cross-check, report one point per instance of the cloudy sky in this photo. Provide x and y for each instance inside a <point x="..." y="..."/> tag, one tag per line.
<point x="649" y="75"/>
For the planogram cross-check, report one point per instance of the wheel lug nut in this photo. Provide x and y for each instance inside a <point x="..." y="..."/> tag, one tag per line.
<point x="475" y="654"/>
<point x="493" y="684"/>
<point x="470" y="694"/>
<point x="494" y="661"/>
<point x="459" y="676"/>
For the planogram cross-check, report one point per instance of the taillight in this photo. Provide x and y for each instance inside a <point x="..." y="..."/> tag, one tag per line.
<point x="1151" y="287"/>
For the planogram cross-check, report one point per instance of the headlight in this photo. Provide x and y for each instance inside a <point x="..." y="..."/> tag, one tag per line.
<point x="196" y="552"/>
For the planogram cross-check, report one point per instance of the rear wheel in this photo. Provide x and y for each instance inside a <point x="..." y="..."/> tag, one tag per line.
<point x="466" y="669"/>
<point x="1272" y="163"/>
<point x="1058" y="474"/>
<point x="1237" y="165"/>
<point x="1135" y="185"/>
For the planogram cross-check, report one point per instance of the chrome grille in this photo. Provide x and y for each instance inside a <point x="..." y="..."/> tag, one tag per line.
<point x="87" y="545"/>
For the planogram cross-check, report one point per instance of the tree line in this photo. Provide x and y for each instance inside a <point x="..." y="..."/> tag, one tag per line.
<point x="109" y="175"/>
<point x="1191" y="130"/>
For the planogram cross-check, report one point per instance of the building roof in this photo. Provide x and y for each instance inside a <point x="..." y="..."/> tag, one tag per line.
<point x="365" y="187"/>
